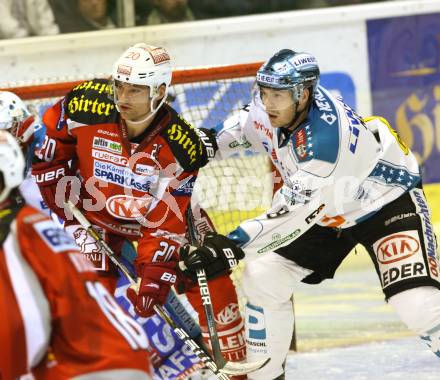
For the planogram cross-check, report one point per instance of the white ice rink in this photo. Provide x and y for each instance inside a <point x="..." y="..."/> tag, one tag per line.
<point x="403" y="359"/>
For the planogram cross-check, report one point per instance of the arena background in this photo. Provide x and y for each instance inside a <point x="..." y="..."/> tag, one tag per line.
<point x="384" y="58"/>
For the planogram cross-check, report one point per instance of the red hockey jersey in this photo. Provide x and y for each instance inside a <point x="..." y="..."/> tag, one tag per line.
<point x="56" y="318"/>
<point x="137" y="190"/>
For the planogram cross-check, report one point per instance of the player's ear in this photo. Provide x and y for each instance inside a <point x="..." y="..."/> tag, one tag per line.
<point x="162" y="89"/>
<point x="306" y="95"/>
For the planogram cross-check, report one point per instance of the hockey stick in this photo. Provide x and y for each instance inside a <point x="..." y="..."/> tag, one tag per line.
<point x="293" y="343"/>
<point x="232" y="368"/>
<point x="206" y="296"/>
<point x="180" y="332"/>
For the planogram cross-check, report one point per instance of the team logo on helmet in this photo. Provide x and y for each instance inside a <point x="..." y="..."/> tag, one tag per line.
<point x="269" y="79"/>
<point x="302" y="60"/>
<point x="159" y="55"/>
<point x="124" y="69"/>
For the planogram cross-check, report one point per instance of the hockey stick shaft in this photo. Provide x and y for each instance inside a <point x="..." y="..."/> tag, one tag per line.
<point x="294" y="344"/>
<point x="183" y="335"/>
<point x="206" y="297"/>
<point x="180" y="332"/>
<point x="231" y="368"/>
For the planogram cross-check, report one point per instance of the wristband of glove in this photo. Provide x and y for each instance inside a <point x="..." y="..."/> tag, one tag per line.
<point x="47" y="181"/>
<point x="209" y="143"/>
<point x="153" y="285"/>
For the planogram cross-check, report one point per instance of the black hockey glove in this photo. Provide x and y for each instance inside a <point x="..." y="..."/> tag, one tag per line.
<point x="209" y="144"/>
<point x="217" y="256"/>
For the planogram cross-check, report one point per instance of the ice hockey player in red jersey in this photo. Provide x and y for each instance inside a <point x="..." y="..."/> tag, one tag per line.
<point x="133" y="161"/>
<point x="57" y="320"/>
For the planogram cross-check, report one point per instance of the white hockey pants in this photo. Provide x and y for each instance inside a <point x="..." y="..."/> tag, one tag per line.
<point x="419" y="309"/>
<point x="268" y="283"/>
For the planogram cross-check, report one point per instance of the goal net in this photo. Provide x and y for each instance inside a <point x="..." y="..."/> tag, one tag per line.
<point x="231" y="190"/>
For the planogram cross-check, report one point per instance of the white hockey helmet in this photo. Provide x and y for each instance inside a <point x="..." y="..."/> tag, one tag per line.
<point x="144" y="65"/>
<point x="14" y="115"/>
<point x="12" y="164"/>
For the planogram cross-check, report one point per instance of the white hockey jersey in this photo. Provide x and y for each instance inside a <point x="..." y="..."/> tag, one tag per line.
<point x="337" y="169"/>
<point x="31" y="194"/>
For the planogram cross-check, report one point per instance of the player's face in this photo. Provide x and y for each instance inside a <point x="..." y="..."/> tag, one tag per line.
<point x="279" y="106"/>
<point x="133" y="100"/>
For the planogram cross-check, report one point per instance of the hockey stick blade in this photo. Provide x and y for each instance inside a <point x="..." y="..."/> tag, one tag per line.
<point x="183" y="335"/>
<point x="237" y="369"/>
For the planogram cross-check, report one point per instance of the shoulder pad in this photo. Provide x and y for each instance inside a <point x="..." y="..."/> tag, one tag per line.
<point x="91" y="103"/>
<point x="319" y="136"/>
<point x="185" y="142"/>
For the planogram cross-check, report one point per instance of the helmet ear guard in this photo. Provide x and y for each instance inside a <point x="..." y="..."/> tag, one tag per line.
<point x="297" y="92"/>
<point x="13" y="113"/>
<point x="12" y="164"/>
<point x="155" y="96"/>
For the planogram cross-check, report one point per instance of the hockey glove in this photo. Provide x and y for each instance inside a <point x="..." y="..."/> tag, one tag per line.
<point x="153" y="286"/>
<point x="217" y="256"/>
<point x="47" y="181"/>
<point x="209" y="144"/>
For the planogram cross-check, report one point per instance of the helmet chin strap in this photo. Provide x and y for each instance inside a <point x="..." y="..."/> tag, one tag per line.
<point x="149" y="114"/>
<point x="289" y="126"/>
<point x="146" y="118"/>
<point x="294" y="120"/>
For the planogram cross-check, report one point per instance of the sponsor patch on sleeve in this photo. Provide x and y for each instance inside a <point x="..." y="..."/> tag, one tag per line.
<point x="185" y="143"/>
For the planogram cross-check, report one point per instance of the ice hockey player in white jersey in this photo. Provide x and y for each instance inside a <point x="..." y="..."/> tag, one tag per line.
<point x="346" y="180"/>
<point x="16" y="118"/>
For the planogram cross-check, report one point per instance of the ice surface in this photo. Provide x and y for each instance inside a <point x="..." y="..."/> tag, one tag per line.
<point x="403" y="359"/>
